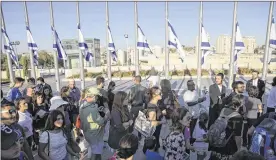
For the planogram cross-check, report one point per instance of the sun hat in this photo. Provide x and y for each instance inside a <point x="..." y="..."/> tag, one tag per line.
<point x="56" y="102"/>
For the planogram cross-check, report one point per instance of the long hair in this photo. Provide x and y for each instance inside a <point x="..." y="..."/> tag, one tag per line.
<point x="37" y="94"/>
<point x="165" y="86"/>
<point x="128" y="146"/>
<point x="177" y="115"/>
<point x="63" y="91"/>
<point x="118" y="103"/>
<point x="110" y="86"/>
<point x="49" y="125"/>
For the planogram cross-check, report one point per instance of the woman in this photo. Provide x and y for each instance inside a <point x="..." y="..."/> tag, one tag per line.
<point x="110" y="94"/>
<point x="47" y="94"/>
<point x="53" y="139"/>
<point x="167" y="94"/>
<point x="127" y="147"/>
<point x="72" y="109"/>
<point x="155" y="112"/>
<point x="120" y="120"/>
<point x="40" y="114"/>
<point x="233" y="131"/>
<point x="25" y="119"/>
<point x="176" y="143"/>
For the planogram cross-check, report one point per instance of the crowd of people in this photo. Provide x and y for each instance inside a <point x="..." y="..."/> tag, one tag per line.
<point x="73" y="124"/>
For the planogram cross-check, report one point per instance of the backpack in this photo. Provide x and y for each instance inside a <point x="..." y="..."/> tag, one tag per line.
<point x="263" y="139"/>
<point x="216" y="134"/>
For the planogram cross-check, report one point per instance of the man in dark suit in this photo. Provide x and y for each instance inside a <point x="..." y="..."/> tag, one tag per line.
<point x="217" y="92"/>
<point x="255" y="81"/>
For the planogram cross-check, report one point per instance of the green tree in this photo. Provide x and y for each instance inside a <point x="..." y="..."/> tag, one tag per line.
<point x="25" y="62"/>
<point x="45" y="59"/>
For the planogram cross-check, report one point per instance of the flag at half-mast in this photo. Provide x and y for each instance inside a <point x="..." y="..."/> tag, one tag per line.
<point x="239" y="46"/>
<point x="175" y="43"/>
<point x="272" y="40"/>
<point x="8" y="47"/>
<point x="58" y="46"/>
<point x="111" y="45"/>
<point x="142" y="43"/>
<point x="32" y="45"/>
<point x="83" y="46"/>
<point x="205" y="45"/>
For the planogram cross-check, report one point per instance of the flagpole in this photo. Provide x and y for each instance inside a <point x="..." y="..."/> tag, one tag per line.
<point x="80" y="53"/>
<point x="167" y="67"/>
<point x="55" y="53"/>
<point x="268" y="31"/>
<point x="136" y="36"/>
<point x="108" y="55"/>
<point x="8" y="56"/>
<point x="31" y="52"/>
<point x="199" y="52"/>
<point x="232" y="51"/>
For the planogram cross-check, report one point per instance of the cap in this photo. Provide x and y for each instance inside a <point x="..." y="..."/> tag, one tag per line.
<point x="92" y="91"/>
<point x="56" y="102"/>
<point x="9" y="136"/>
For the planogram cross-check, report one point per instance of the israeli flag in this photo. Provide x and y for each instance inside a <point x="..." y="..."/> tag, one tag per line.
<point x="83" y="47"/>
<point x="239" y="46"/>
<point x="111" y="45"/>
<point x="175" y="43"/>
<point x="58" y="46"/>
<point x="205" y="45"/>
<point x="142" y="43"/>
<point x="272" y="40"/>
<point x="8" y="47"/>
<point x="32" y="45"/>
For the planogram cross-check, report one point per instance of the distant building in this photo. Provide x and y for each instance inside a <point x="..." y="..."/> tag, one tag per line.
<point x="122" y="57"/>
<point x="249" y="44"/>
<point x="71" y="47"/>
<point x="223" y="44"/>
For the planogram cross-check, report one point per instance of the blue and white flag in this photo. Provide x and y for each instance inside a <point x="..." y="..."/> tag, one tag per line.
<point x="142" y="43"/>
<point x="239" y="46"/>
<point x="272" y="40"/>
<point x="32" y="45"/>
<point x="111" y="45"/>
<point x="58" y="46"/>
<point x="8" y="47"/>
<point x="175" y="43"/>
<point x="205" y="45"/>
<point x="83" y="47"/>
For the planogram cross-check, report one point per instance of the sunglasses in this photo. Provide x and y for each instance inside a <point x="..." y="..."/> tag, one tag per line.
<point x="11" y="111"/>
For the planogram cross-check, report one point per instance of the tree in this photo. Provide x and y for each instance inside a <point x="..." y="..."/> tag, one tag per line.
<point x="25" y="62"/>
<point x="45" y="59"/>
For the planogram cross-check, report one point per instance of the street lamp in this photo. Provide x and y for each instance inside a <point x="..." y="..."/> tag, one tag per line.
<point x="126" y="37"/>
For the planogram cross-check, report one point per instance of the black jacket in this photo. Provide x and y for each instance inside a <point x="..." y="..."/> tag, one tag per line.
<point x="260" y="86"/>
<point x="215" y="93"/>
<point x="137" y="96"/>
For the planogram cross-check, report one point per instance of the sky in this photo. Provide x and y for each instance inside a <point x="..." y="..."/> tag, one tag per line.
<point x="184" y="17"/>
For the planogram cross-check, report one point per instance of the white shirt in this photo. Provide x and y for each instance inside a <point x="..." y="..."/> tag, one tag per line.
<point x="255" y="82"/>
<point x="271" y="100"/>
<point x="26" y="121"/>
<point x="191" y="96"/>
<point x="220" y="88"/>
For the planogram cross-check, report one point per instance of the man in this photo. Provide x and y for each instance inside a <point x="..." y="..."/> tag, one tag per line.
<point x="41" y="85"/>
<point x="217" y="92"/>
<point x="14" y="92"/>
<point x="238" y="88"/>
<point x="8" y="121"/>
<point x="192" y="100"/>
<point x="92" y="123"/>
<point x="31" y="81"/>
<point x="255" y="81"/>
<point x="103" y="99"/>
<point x="271" y="100"/>
<point x="74" y="92"/>
<point x="29" y="92"/>
<point x="137" y="97"/>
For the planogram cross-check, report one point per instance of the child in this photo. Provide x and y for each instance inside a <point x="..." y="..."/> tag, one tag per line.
<point x="149" y="146"/>
<point x="200" y="135"/>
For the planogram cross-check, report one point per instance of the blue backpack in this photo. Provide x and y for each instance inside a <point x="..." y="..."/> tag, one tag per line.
<point x="263" y="139"/>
